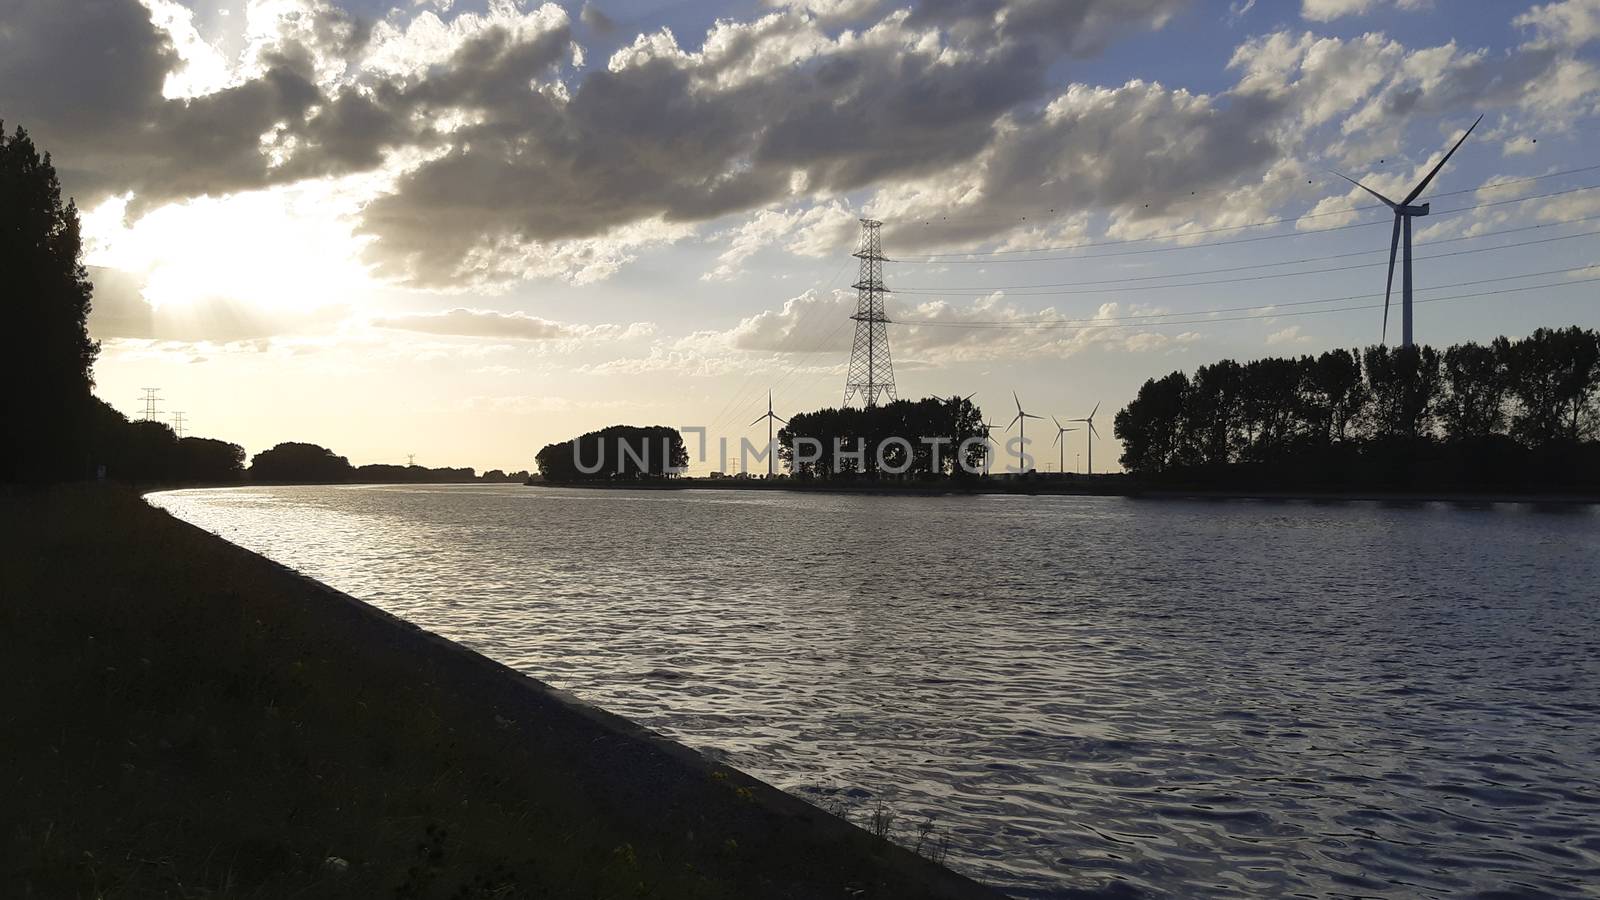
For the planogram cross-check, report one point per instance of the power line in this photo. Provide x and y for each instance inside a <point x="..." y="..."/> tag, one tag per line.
<point x="1176" y="235"/>
<point x="1136" y="320"/>
<point x="943" y="220"/>
<point x="1267" y="265"/>
<point x="979" y="292"/>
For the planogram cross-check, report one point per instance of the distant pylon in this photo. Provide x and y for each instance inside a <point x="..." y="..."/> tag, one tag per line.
<point x="177" y="423"/>
<point x="871" y="369"/>
<point x="150" y="399"/>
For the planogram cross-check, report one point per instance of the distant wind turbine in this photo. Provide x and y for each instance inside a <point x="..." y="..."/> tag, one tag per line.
<point x="1022" y="432"/>
<point x="988" y="429"/>
<point x="1089" y="419"/>
<point x="1404" y="212"/>
<point x="769" y="415"/>
<point x="1061" y="464"/>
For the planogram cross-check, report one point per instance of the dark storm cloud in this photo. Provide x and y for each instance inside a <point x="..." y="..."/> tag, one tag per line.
<point x="86" y="78"/>
<point x="686" y="140"/>
<point x="946" y="93"/>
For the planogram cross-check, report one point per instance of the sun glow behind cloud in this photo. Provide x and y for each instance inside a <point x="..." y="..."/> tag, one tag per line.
<point x="288" y="249"/>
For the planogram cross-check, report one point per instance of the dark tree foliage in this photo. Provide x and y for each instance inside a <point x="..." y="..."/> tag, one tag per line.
<point x="149" y="453"/>
<point x="1334" y="396"/>
<point x="922" y="436"/>
<point x="1555" y="376"/>
<point x="1404" y="385"/>
<point x="1513" y="412"/>
<point x="1474" y="405"/>
<point x="615" y="453"/>
<point x="48" y="356"/>
<point x="209" y="460"/>
<point x="293" y="463"/>
<point x="1151" y="427"/>
<point x="383" y="473"/>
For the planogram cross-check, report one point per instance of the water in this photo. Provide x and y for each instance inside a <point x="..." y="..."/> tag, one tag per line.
<point x="1197" y="699"/>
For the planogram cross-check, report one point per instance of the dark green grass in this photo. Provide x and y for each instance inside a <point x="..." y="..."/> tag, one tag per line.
<point x="182" y="719"/>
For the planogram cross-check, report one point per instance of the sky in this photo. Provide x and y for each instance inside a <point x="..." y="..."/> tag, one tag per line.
<point x="463" y="229"/>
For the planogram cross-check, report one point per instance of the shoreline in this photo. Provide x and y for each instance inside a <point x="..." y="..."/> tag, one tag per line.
<point x="466" y="744"/>
<point x="1045" y="488"/>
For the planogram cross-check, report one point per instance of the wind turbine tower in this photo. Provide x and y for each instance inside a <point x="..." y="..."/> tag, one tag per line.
<point x="1061" y="462"/>
<point x="1404" y="212"/>
<point x="1022" y="433"/>
<point x="1089" y="420"/>
<point x="769" y="415"/>
<point x="871" y="369"/>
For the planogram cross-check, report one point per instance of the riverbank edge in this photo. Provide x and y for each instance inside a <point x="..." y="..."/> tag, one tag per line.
<point x="1071" y="490"/>
<point x="625" y="766"/>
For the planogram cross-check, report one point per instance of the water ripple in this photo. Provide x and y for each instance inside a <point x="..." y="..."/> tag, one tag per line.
<point x="1167" y="698"/>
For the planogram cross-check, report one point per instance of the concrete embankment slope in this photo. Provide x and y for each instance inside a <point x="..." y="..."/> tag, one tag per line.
<point x="182" y="718"/>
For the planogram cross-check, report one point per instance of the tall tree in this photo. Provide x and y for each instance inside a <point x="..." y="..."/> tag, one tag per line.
<point x="1474" y="405"/>
<point x="1405" y="390"/>
<point x="1333" y="393"/>
<point x="1270" y="405"/>
<point x="1151" y="427"/>
<point x="1212" y="414"/>
<point x="1555" y="376"/>
<point x="46" y="344"/>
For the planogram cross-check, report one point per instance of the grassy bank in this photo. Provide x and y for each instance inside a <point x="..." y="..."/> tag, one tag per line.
<point x="181" y="718"/>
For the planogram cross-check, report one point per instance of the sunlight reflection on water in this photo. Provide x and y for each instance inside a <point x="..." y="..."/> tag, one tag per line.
<point x="1195" y="698"/>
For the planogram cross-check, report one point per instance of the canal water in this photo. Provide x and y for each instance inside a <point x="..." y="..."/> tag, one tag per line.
<point x="1196" y="699"/>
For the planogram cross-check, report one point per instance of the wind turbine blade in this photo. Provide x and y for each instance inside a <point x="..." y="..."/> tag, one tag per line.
<point x="1057" y="440"/>
<point x="1422" y="185"/>
<point x="757" y="421"/>
<point x="1095" y="410"/>
<point x="1092" y="430"/>
<point x="1386" y="201"/>
<point x="781" y="419"/>
<point x="1032" y="416"/>
<point x="1056" y="420"/>
<point x="970" y="396"/>
<point x="1388" y="286"/>
<point x="1019" y="402"/>
<point x="1014" y="421"/>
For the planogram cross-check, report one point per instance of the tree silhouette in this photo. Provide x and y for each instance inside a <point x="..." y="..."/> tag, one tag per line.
<point x="615" y="453"/>
<point x="1510" y="412"/>
<point x="932" y="428"/>
<point x="1475" y="378"/>
<point x="48" y="355"/>
<point x="295" y="463"/>
<point x="1555" y="375"/>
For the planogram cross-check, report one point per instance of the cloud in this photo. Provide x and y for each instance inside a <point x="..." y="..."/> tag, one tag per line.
<point x="1569" y="23"/>
<point x="491" y="157"/>
<point x="461" y="322"/>
<point x="1290" y="335"/>
<point x="985" y="328"/>
<point x="1328" y="10"/>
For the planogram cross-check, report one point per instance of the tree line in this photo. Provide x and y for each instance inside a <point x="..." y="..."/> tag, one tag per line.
<point x="615" y="453"/>
<point x="917" y="439"/>
<point x="1498" y="414"/>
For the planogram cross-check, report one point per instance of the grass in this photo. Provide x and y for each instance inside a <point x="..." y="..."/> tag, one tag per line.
<point x="180" y="718"/>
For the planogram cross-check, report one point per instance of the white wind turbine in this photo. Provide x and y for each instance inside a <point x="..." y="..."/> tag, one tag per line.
<point x="1089" y="419"/>
<point x="1022" y="433"/>
<point x="1404" y="212"/>
<point x="988" y="429"/>
<point x="769" y="415"/>
<point x="1061" y="463"/>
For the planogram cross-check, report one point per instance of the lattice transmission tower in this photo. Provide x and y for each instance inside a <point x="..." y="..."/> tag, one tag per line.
<point x="871" y="369"/>
<point x="151" y="397"/>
